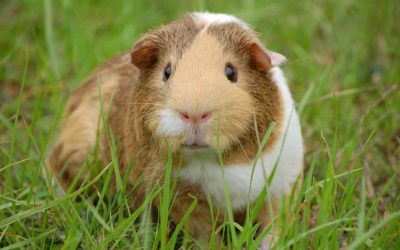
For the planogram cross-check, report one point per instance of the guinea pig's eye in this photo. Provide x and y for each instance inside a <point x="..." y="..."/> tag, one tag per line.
<point x="167" y="72"/>
<point x="231" y="72"/>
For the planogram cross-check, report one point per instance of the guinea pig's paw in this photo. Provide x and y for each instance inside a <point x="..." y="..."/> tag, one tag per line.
<point x="265" y="245"/>
<point x="268" y="242"/>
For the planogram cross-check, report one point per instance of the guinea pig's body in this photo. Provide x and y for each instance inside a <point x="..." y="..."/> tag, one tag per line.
<point x="204" y="89"/>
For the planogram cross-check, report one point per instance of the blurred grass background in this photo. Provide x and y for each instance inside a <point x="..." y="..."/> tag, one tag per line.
<point x="343" y="70"/>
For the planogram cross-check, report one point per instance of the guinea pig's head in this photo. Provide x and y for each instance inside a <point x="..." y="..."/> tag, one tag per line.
<point x="205" y="83"/>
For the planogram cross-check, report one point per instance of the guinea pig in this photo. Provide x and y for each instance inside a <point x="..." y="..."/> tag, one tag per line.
<point x="204" y="90"/>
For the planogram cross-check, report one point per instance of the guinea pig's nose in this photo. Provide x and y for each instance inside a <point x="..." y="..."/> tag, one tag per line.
<point x="192" y="118"/>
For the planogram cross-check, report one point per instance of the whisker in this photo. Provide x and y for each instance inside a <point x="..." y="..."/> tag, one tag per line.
<point x="244" y="151"/>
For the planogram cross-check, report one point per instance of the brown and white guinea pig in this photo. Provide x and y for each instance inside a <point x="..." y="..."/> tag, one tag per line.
<point x="205" y="89"/>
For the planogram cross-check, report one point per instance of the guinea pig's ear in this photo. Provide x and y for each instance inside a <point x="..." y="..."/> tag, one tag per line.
<point x="264" y="59"/>
<point x="144" y="54"/>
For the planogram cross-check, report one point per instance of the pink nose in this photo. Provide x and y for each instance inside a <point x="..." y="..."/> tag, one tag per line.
<point x="187" y="117"/>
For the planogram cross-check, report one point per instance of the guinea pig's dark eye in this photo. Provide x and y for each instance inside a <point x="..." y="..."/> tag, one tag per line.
<point x="231" y="72"/>
<point x="167" y="72"/>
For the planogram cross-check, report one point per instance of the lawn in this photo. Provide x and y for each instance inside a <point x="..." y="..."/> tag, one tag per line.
<point x="344" y="73"/>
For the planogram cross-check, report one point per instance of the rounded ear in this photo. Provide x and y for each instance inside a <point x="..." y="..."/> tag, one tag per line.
<point x="264" y="59"/>
<point x="144" y="54"/>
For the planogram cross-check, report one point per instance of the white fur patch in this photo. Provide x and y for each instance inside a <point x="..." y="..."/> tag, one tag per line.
<point x="218" y="18"/>
<point x="287" y="153"/>
<point x="170" y="124"/>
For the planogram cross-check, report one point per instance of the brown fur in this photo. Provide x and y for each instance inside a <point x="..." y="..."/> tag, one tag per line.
<point x="267" y="99"/>
<point x="132" y="97"/>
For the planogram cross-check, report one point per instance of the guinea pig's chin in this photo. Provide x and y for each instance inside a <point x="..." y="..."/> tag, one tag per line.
<point x="208" y="145"/>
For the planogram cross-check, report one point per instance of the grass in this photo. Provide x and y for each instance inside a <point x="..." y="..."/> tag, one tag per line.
<point x="344" y="72"/>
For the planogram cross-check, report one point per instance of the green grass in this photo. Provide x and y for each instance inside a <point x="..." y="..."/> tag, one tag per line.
<point x="344" y="72"/>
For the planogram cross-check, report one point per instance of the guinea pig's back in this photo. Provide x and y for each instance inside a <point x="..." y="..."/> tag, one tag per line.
<point x="86" y="106"/>
<point x="102" y="83"/>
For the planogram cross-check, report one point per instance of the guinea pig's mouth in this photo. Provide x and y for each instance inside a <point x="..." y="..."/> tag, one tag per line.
<point x="195" y="146"/>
